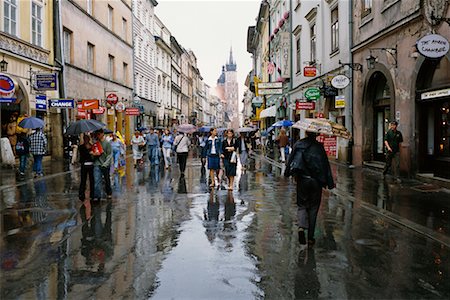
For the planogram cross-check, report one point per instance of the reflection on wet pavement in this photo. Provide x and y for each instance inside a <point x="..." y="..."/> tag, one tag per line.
<point x="164" y="236"/>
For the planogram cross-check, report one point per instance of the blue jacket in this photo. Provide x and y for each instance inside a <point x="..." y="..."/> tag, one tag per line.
<point x="218" y="145"/>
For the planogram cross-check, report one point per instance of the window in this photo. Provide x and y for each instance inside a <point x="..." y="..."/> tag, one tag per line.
<point x="125" y="73"/>
<point x="36" y="24"/>
<point x="89" y="6"/>
<point x="366" y="7"/>
<point x="334" y="30"/>
<point x="67" y="45"/>
<point x="110" y="67"/>
<point x="298" y="58"/>
<point x="110" y="17"/>
<point x="124" y="28"/>
<point x="10" y="16"/>
<point x="90" y="57"/>
<point x="313" y="42"/>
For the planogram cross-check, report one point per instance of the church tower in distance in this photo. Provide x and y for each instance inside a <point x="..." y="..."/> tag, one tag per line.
<point x="228" y="91"/>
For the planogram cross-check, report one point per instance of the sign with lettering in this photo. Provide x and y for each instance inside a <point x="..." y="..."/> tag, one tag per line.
<point x="303" y="105"/>
<point x="435" y="94"/>
<point x="112" y="98"/>
<point x="340" y="81"/>
<point x="433" y="46"/>
<point x="309" y="71"/>
<point x="98" y="111"/>
<point x="61" y="103"/>
<point x="312" y="94"/>
<point x="339" y="101"/>
<point x="329" y="143"/>
<point x="7" y="87"/>
<point x="41" y="102"/>
<point x="270" y="85"/>
<point x="46" y="81"/>
<point x="132" y="111"/>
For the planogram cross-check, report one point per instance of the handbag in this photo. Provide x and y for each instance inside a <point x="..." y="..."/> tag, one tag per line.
<point x="175" y="146"/>
<point x="97" y="149"/>
<point x="233" y="159"/>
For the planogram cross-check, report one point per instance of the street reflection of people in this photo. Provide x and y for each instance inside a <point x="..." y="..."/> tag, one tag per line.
<point x="96" y="242"/>
<point x="211" y="216"/>
<point x="230" y="207"/>
<point x="182" y="185"/>
<point x="307" y="285"/>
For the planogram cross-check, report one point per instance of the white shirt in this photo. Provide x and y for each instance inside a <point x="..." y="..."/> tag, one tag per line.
<point x="213" y="144"/>
<point x="182" y="142"/>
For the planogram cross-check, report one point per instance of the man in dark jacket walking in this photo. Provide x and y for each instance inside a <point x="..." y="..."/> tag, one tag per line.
<point x="309" y="164"/>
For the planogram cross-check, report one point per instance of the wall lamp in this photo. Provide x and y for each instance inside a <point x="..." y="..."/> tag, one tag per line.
<point x="353" y="66"/>
<point x="371" y="59"/>
<point x="436" y="20"/>
<point x="3" y="65"/>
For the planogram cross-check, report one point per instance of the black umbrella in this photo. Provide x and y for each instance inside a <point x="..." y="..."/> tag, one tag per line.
<point x="82" y="126"/>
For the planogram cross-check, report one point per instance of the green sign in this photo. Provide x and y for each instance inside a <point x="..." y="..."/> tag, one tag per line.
<point x="312" y="94"/>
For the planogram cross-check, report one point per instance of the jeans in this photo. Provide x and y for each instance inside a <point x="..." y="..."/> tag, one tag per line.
<point x="23" y="163"/>
<point x="37" y="164"/>
<point x="99" y="174"/>
<point x="153" y="154"/>
<point x="309" y="196"/>
<point x="182" y="158"/>
<point x="116" y="156"/>
<point x="85" y="172"/>
<point x="166" y="154"/>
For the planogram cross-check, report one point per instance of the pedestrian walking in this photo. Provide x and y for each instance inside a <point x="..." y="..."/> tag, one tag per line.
<point x="283" y="141"/>
<point x="38" y="148"/>
<point x="229" y="157"/>
<point x="152" y="140"/>
<point x="213" y="152"/>
<point x="138" y="146"/>
<point x="243" y="147"/>
<point x="116" y="146"/>
<point x="167" y="144"/>
<point x="202" y="148"/>
<point x="87" y="168"/>
<point x="392" y="141"/>
<point x="22" y="151"/>
<point x="308" y="163"/>
<point x="181" y="144"/>
<point x="102" y="153"/>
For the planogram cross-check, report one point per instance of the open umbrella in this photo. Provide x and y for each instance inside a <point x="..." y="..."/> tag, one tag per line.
<point x="186" y="128"/>
<point x="108" y="131"/>
<point x="221" y="130"/>
<point x="246" y="129"/>
<point x="32" y="123"/>
<point x="283" y="123"/>
<point x="324" y="126"/>
<point x="82" y="126"/>
<point x="205" y="129"/>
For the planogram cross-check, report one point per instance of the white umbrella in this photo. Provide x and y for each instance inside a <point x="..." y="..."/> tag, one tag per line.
<point x="323" y="126"/>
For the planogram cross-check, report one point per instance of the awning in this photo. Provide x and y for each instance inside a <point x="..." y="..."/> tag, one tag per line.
<point x="268" y="112"/>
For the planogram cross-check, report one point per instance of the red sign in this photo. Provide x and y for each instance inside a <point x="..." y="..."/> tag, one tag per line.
<point x="99" y="111"/>
<point x="112" y="98"/>
<point x="81" y="111"/>
<point x="320" y="115"/>
<point x="132" y="111"/>
<point x="329" y="143"/>
<point x="309" y="71"/>
<point x="90" y="104"/>
<point x="302" y="105"/>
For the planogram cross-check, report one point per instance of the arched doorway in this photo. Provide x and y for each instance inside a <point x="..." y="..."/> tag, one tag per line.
<point x="379" y="106"/>
<point x="433" y="115"/>
<point x="19" y="107"/>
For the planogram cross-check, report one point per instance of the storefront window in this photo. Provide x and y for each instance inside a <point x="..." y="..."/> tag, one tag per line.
<point x="444" y="130"/>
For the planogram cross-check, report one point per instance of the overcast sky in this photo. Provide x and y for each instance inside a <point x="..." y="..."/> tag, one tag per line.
<point x="210" y="28"/>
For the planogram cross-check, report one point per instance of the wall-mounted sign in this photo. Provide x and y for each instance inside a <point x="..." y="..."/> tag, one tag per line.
<point x="304" y="105"/>
<point x="7" y="100"/>
<point x="7" y="87"/>
<point x="112" y="98"/>
<point x="270" y="91"/>
<point x="309" y="71"/>
<point x="339" y="101"/>
<point x="435" y="94"/>
<point x="41" y="102"/>
<point x="433" y="46"/>
<point x="270" y="85"/>
<point x="329" y="143"/>
<point x="90" y="104"/>
<point x="312" y="94"/>
<point x="46" y="81"/>
<point x="285" y="47"/>
<point x="99" y="111"/>
<point x="80" y="111"/>
<point x="110" y="111"/>
<point x="61" y="103"/>
<point x="132" y="111"/>
<point x="340" y="81"/>
<point x="120" y="107"/>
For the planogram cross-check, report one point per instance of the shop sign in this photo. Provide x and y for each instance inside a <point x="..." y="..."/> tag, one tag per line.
<point x="41" y="102"/>
<point x="99" y="111"/>
<point x="132" y="111"/>
<point x="270" y="85"/>
<point x="309" y="71"/>
<point x="7" y="87"/>
<point x="329" y="143"/>
<point x="112" y="98"/>
<point x="303" y="105"/>
<point x="285" y="47"/>
<point x="61" y="103"/>
<point x="270" y="91"/>
<point x="339" y="101"/>
<point x="8" y="100"/>
<point x="45" y="81"/>
<point x="435" y="94"/>
<point x="81" y="111"/>
<point x="90" y="104"/>
<point x="433" y="46"/>
<point x="120" y="107"/>
<point x="110" y="111"/>
<point x="340" y="81"/>
<point x="312" y="94"/>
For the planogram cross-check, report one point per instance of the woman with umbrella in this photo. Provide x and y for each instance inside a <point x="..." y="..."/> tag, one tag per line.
<point x="87" y="169"/>
<point x="283" y="141"/>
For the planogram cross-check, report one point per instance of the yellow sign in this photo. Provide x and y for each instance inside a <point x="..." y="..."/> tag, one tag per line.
<point x="257" y="81"/>
<point x="339" y="102"/>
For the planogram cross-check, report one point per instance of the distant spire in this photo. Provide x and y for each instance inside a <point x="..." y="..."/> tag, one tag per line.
<point x="231" y="56"/>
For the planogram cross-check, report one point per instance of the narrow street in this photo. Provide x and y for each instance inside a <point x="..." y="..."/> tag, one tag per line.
<point x="168" y="238"/>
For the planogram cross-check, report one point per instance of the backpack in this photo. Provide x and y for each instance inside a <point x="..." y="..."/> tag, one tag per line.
<point x="21" y="147"/>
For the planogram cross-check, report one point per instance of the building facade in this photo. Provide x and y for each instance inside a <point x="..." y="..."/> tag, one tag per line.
<point x="176" y="80"/>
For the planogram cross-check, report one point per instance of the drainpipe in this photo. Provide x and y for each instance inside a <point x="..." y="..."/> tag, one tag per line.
<point x="349" y="110"/>
<point x="292" y="114"/>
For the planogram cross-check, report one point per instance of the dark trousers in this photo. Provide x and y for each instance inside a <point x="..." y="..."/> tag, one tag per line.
<point x="309" y="196"/>
<point x="85" y="172"/>
<point x="99" y="174"/>
<point x="182" y="158"/>
<point x="392" y="163"/>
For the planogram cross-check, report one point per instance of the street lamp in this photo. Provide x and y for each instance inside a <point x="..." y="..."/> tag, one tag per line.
<point x="391" y="51"/>
<point x="371" y="61"/>
<point x="3" y="65"/>
<point x="353" y="66"/>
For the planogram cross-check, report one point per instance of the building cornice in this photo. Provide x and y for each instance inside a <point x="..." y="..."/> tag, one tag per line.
<point x="160" y="42"/>
<point x="22" y="48"/>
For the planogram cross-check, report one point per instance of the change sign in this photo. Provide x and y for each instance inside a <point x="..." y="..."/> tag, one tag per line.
<point x="41" y="102"/>
<point x="312" y="94"/>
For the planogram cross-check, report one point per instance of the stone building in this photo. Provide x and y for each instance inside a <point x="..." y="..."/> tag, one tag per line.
<point x="176" y="80"/>
<point x="404" y="81"/>
<point x="227" y="89"/>
<point x="186" y="87"/>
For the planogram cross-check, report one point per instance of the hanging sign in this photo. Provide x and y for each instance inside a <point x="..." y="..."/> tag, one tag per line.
<point x="120" y="107"/>
<point x="41" y="102"/>
<point x="90" y="104"/>
<point x="340" y="81"/>
<point x="110" y="111"/>
<point x="312" y="94"/>
<point x="112" y="98"/>
<point x="309" y="71"/>
<point x="7" y="87"/>
<point x="433" y="46"/>
<point x="99" y="111"/>
<point x="339" y="101"/>
<point x="303" y="105"/>
<point x="132" y="111"/>
<point x="45" y="81"/>
<point x="61" y="103"/>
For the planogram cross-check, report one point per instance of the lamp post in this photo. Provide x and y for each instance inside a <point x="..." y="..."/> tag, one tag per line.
<point x="3" y="65"/>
